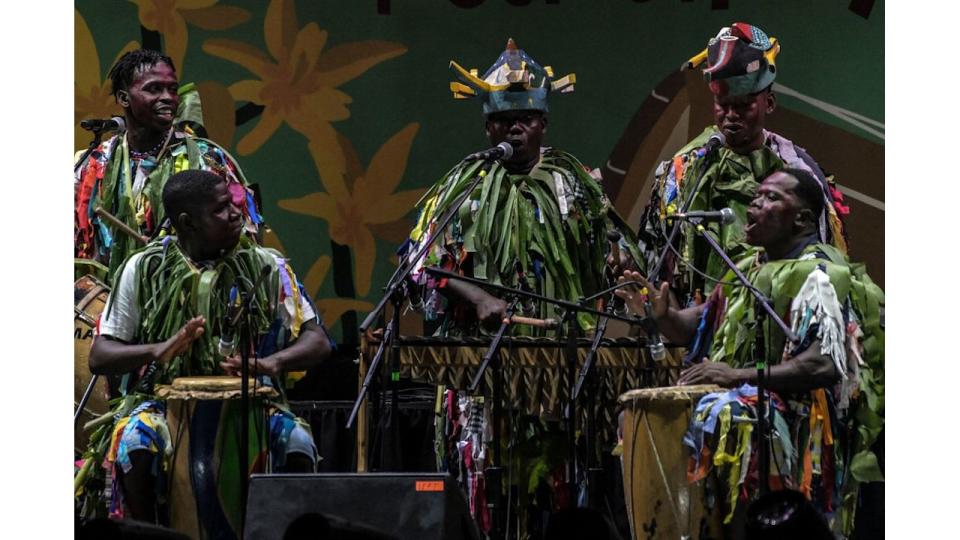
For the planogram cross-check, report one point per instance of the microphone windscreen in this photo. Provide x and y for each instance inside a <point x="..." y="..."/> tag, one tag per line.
<point x="507" y="149"/>
<point x="727" y="216"/>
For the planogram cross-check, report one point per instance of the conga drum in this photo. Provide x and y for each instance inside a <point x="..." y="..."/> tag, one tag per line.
<point x="89" y="298"/>
<point x="203" y="415"/>
<point x="660" y="502"/>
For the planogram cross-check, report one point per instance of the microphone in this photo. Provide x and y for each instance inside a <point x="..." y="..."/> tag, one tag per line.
<point x="713" y="143"/>
<point x="724" y="216"/>
<point x="228" y="332"/>
<point x="501" y="151"/>
<point x="114" y="123"/>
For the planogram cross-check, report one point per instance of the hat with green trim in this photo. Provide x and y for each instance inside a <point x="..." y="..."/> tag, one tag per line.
<point x="514" y="82"/>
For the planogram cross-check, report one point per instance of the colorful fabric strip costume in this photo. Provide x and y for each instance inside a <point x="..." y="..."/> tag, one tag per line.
<point x="821" y="440"/>
<point x="130" y="187"/>
<point x="170" y="290"/>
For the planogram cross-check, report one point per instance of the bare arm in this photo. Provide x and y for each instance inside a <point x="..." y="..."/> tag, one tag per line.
<point x="310" y="348"/>
<point x="490" y="310"/>
<point x="110" y="356"/>
<point x="808" y="370"/>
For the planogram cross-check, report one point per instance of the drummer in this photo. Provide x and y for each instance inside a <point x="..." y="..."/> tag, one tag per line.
<point x="163" y="320"/>
<point x="823" y="389"/>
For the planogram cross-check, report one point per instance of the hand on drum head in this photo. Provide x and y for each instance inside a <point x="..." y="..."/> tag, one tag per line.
<point x="659" y="299"/>
<point x="708" y="372"/>
<point x="179" y="342"/>
<point x="232" y="365"/>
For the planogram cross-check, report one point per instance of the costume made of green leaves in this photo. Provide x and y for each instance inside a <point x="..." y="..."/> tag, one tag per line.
<point x="730" y="180"/>
<point x="513" y="218"/>
<point x="171" y="290"/>
<point x="780" y="281"/>
<point x="116" y="190"/>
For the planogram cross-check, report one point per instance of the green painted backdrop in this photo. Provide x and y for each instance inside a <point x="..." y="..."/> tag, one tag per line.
<point x="341" y="111"/>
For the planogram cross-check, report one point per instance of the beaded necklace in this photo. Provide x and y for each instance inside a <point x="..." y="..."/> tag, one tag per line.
<point x="155" y="151"/>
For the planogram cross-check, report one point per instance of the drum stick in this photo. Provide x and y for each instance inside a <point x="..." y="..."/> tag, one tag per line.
<point x="530" y="321"/>
<point x="120" y="225"/>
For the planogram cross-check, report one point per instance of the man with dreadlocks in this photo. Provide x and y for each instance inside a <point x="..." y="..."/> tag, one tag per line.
<point x="538" y="222"/>
<point x="826" y="400"/>
<point x="125" y="175"/>
<point x="163" y="320"/>
<point x="740" y="72"/>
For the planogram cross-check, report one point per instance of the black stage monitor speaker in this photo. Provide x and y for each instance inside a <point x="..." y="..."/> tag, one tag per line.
<point x="345" y="506"/>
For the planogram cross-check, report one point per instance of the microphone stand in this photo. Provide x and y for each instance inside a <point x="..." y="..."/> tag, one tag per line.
<point x="494" y="473"/>
<point x="241" y="320"/>
<point x="393" y="291"/>
<point x="97" y="139"/>
<point x="676" y="224"/>
<point x="570" y="322"/>
<point x="763" y="310"/>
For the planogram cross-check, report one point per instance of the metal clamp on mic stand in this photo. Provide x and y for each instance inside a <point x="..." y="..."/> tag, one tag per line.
<point x="763" y="309"/>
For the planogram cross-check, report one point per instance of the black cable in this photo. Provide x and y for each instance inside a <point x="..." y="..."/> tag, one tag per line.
<point x="693" y="267"/>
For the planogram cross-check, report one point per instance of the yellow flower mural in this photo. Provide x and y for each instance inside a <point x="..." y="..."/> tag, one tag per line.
<point x="330" y="308"/>
<point x="357" y="201"/>
<point x="297" y="81"/>
<point x="91" y="88"/>
<point x="170" y="18"/>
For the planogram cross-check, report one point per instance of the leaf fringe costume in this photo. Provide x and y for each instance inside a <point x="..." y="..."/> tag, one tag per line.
<point x="130" y="186"/>
<point x="170" y="290"/>
<point x="821" y="440"/>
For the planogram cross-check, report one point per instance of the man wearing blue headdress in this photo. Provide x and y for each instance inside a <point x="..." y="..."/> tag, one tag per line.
<point x="539" y="222"/>
<point x="741" y="68"/>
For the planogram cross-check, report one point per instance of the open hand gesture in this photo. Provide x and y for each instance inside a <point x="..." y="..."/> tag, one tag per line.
<point x="634" y="298"/>
<point x="180" y="342"/>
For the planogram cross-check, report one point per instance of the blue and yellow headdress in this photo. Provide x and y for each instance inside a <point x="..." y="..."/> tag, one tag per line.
<point x="514" y="82"/>
<point x="741" y="60"/>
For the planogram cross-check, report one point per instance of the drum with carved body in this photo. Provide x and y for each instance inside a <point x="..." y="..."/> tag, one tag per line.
<point x="204" y="477"/>
<point x="89" y="297"/>
<point x="660" y="501"/>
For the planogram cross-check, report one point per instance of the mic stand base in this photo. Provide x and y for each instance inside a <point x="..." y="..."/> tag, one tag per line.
<point x="493" y="476"/>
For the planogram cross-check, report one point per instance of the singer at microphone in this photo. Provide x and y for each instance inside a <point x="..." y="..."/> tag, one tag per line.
<point x="537" y="221"/>
<point x="146" y="142"/>
<point x="502" y="151"/>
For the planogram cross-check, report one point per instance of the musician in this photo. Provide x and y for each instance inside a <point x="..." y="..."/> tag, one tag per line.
<point x="741" y="68"/>
<point x="166" y="314"/>
<point x="538" y="222"/>
<point x="827" y="391"/>
<point x="126" y="173"/>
